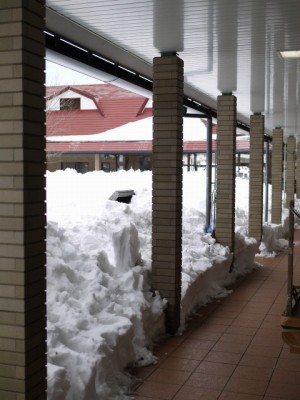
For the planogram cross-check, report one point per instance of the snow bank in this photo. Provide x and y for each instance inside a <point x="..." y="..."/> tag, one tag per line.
<point x="102" y="314"/>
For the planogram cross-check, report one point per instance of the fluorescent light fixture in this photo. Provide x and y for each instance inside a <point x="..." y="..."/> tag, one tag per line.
<point x="289" y="54"/>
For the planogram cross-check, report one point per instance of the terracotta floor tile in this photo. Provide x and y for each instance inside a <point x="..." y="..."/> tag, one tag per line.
<point x="214" y="368"/>
<point x="223" y="357"/>
<point x="268" y="351"/>
<point x="232" y="349"/>
<point x="214" y="382"/>
<point x="249" y="386"/>
<point x="232" y="307"/>
<point x="242" y="295"/>
<point x="274" y="398"/>
<point x="213" y="328"/>
<point x="261" y="305"/>
<point x="286" y="391"/>
<point x="247" y="323"/>
<point x="252" y="316"/>
<point x="190" y="353"/>
<point x="174" y="341"/>
<point x="239" y="396"/>
<point x="232" y="338"/>
<point x="287" y="377"/>
<point x="143" y="372"/>
<point x="238" y="348"/>
<point x="241" y="330"/>
<point x="271" y="324"/>
<point x="198" y="344"/>
<point x="166" y="347"/>
<point x="276" y="309"/>
<point x="268" y="333"/>
<point x="157" y="390"/>
<point x="257" y="308"/>
<point x="162" y="352"/>
<point x="180" y="364"/>
<point x="220" y="320"/>
<point x="225" y="314"/>
<point x="169" y="376"/>
<point x="196" y="393"/>
<point x="288" y="364"/>
<point x="247" y="372"/>
<point x="232" y="304"/>
<point x="202" y="335"/>
<point x="258" y="361"/>
<point x="286" y="353"/>
<point x="272" y="318"/>
<point x="267" y="341"/>
<point x="267" y="296"/>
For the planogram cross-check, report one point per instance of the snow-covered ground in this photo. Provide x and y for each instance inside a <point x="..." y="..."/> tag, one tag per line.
<point x="102" y="315"/>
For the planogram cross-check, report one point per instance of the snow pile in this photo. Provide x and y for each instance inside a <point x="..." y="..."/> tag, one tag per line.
<point x="102" y="314"/>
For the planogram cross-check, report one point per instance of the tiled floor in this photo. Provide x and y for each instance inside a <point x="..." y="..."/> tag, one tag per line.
<point x="232" y="349"/>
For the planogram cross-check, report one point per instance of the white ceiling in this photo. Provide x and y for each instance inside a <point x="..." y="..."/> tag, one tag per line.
<point x="226" y="45"/>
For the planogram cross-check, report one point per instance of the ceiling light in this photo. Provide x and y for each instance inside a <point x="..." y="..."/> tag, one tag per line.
<point x="286" y="54"/>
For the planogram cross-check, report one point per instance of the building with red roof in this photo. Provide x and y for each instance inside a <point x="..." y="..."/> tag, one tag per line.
<point x="93" y="127"/>
<point x="88" y="110"/>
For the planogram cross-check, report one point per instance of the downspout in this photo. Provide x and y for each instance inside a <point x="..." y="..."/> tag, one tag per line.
<point x="208" y="227"/>
<point x="267" y="177"/>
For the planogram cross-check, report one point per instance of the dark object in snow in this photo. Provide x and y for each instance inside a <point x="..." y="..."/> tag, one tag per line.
<point x="122" y="196"/>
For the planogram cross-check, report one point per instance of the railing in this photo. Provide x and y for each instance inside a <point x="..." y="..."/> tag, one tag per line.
<point x="293" y="292"/>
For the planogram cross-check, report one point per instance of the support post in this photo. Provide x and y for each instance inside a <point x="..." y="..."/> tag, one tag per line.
<point x="167" y="183"/>
<point x="97" y="162"/>
<point x="290" y="170"/>
<point x="22" y="201"/>
<point x="289" y="308"/>
<point x="277" y="175"/>
<point x="256" y="176"/>
<point x="226" y="148"/>
<point x="298" y="171"/>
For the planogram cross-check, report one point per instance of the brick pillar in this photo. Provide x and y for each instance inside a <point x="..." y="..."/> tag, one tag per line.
<point x="277" y="161"/>
<point x="298" y="171"/>
<point x="167" y="183"/>
<point x="256" y="176"/>
<point x="226" y="147"/>
<point x="97" y="162"/>
<point x="22" y="201"/>
<point x="290" y="170"/>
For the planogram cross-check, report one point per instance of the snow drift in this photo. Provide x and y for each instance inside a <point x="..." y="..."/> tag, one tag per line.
<point x="102" y="314"/>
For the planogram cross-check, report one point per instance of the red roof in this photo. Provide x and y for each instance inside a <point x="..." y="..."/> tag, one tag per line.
<point x="98" y="147"/>
<point x="115" y="107"/>
<point x="129" y="147"/>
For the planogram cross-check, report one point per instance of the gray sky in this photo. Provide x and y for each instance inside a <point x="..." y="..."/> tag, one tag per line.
<point x="58" y="75"/>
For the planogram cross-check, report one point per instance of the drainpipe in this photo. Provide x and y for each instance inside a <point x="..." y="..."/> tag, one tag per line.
<point x="208" y="227"/>
<point x="267" y="162"/>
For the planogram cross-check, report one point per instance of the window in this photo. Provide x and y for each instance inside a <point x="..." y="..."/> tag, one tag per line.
<point x="70" y="103"/>
<point x="81" y="167"/>
<point x="105" y="166"/>
<point x="145" y="163"/>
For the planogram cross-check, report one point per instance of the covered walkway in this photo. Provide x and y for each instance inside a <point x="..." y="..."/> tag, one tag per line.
<point x="232" y="349"/>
